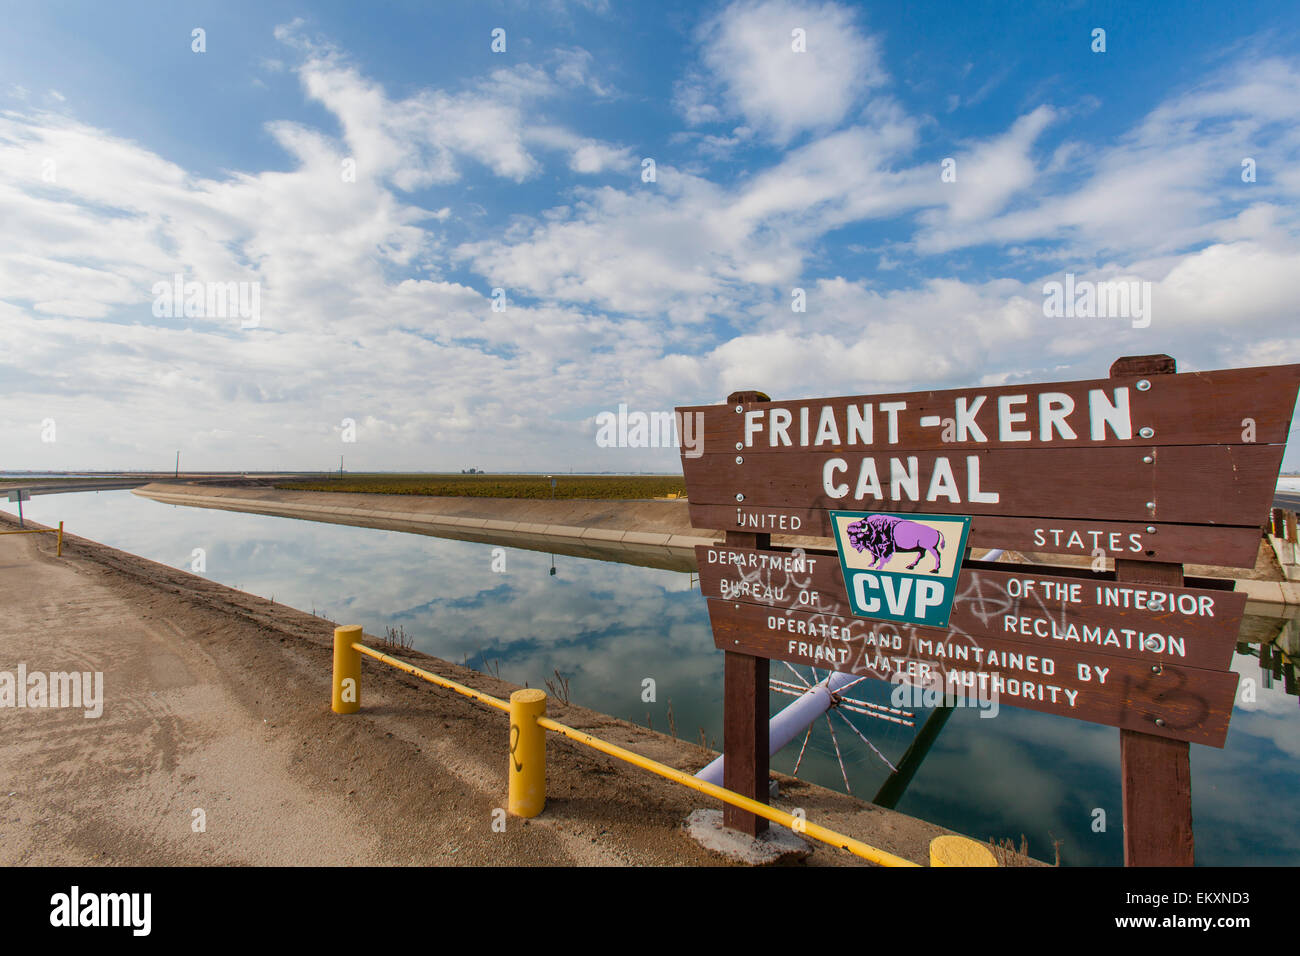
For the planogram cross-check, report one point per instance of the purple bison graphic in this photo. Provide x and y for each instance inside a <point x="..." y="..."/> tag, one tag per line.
<point x="882" y="535"/>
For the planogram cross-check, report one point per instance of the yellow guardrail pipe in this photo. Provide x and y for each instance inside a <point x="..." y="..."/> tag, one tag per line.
<point x="798" y="825"/>
<point x="59" y="531"/>
<point x="527" y="771"/>
<point x="469" y="692"/>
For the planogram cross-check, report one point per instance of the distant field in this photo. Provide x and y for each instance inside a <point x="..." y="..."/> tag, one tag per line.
<point x="43" y="480"/>
<point x="499" y="486"/>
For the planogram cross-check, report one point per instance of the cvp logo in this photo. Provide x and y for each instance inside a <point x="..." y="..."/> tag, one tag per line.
<point x="900" y="569"/>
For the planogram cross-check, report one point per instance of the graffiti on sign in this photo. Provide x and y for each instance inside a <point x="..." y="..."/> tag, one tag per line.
<point x="1071" y="608"/>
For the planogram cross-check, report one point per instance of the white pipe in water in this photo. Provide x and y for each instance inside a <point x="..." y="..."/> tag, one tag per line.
<point x="791" y="721"/>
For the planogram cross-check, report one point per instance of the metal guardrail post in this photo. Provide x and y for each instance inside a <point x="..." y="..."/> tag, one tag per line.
<point x="959" y="851"/>
<point x="347" y="670"/>
<point x="55" y="531"/>
<point x="527" y="792"/>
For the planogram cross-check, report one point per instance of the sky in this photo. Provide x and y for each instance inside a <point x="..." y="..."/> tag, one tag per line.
<point x="463" y="231"/>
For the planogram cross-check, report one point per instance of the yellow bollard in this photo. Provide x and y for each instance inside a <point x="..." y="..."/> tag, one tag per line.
<point x="959" y="851"/>
<point x="60" y="551"/>
<point x="527" y="794"/>
<point x="347" y="670"/>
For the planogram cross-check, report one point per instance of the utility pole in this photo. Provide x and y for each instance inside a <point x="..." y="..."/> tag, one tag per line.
<point x="340" y="467"/>
<point x="178" y="462"/>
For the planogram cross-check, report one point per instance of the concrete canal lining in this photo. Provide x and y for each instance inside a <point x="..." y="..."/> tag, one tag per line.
<point x="650" y="533"/>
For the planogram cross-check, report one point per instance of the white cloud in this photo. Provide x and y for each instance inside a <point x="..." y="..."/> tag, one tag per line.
<point x="586" y="155"/>
<point x="574" y="70"/>
<point x="747" y="51"/>
<point x="993" y="171"/>
<point x="1171" y="182"/>
<point x="654" y="294"/>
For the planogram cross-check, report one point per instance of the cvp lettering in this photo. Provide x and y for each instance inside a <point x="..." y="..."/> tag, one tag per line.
<point x="925" y="592"/>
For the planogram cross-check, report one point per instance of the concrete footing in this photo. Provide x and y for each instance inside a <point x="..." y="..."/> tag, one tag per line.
<point x="776" y="845"/>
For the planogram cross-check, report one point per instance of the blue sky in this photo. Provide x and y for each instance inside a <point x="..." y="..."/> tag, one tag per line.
<point x="127" y="158"/>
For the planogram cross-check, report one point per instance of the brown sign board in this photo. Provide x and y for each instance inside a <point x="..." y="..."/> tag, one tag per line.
<point x="1148" y="467"/>
<point x="1233" y="547"/>
<point x="1190" y="408"/>
<point x="1077" y="610"/>
<point x="1233" y="484"/>
<point x="1129" y="465"/>
<point x="1182" y="703"/>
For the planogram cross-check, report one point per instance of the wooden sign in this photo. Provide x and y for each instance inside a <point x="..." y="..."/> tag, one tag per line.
<point x="1146" y="658"/>
<point x="1070" y="609"/>
<point x="1148" y="468"/>
<point x="1231" y="547"/>
<point x="1190" y="408"/>
<point x="1072" y="468"/>
<point x="1166" y="700"/>
<point x="1234" y="485"/>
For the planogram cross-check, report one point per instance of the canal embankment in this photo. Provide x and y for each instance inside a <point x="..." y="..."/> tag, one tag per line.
<point x="215" y="744"/>
<point x="651" y="533"/>
<point x="656" y="533"/>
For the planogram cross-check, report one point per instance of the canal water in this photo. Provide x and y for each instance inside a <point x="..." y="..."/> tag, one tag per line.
<point x="635" y="643"/>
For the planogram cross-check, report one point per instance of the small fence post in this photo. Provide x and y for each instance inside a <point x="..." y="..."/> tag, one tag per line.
<point x="959" y="851"/>
<point x="527" y="791"/>
<point x="347" y="670"/>
<point x="59" y="554"/>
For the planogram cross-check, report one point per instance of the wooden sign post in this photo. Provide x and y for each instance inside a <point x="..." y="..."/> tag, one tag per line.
<point x="745" y="717"/>
<point x="1155" y="772"/>
<point x="1148" y="469"/>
